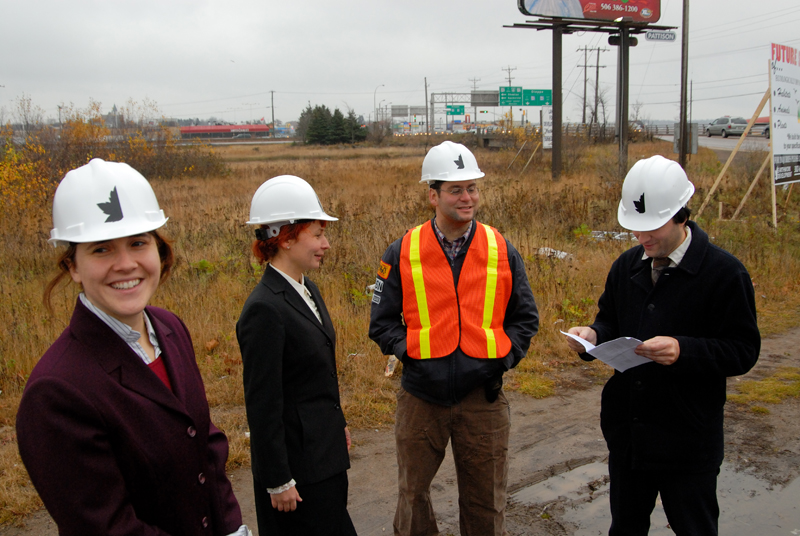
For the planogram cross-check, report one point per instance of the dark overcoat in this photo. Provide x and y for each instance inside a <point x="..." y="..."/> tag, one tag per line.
<point x="111" y="450"/>
<point x="291" y="387"/>
<point x="670" y="418"/>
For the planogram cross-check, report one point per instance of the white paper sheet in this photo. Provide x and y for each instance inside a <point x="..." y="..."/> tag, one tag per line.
<point x="617" y="353"/>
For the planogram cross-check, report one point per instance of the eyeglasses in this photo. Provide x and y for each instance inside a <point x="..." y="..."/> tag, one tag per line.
<point x="456" y="191"/>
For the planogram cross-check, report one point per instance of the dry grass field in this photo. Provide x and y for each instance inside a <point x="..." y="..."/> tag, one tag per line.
<point x="376" y="195"/>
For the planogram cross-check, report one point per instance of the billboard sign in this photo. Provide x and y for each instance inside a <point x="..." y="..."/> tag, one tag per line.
<point x="785" y="113"/>
<point x="638" y="10"/>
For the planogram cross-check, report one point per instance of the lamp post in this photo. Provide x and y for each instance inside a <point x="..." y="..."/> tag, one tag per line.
<point x="374" y="106"/>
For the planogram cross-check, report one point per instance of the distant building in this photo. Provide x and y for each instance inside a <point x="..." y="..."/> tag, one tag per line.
<point x="225" y="131"/>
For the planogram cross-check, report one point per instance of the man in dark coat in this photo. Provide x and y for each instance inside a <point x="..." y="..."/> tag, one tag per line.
<point x="692" y="304"/>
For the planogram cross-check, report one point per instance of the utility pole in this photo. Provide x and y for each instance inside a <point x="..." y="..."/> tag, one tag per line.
<point x="597" y="85"/>
<point x="272" y="109"/>
<point x="585" y="66"/>
<point x="475" y="110"/>
<point x="510" y="78"/>
<point x="684" y="75"/>
<point x="597" y="82"/>
<point x="427" y="118"/>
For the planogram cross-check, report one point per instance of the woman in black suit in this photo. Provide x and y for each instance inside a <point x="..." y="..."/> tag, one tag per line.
<point x="299" y="439"/>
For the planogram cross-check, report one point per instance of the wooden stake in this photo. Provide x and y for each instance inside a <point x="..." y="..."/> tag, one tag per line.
<point x="752" y="185"/>
<point x="515" y="157"/>
<point x="531" y="158"/>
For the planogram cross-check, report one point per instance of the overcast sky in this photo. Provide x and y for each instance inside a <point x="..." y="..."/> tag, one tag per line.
<point x="200" y="58"/>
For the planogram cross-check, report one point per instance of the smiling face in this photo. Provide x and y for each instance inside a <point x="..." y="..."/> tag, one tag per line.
<point x="119" y="276"/>
<point x="662" y="241"/>
<point x="455" y="210"/>
<point x="304" y="252"/>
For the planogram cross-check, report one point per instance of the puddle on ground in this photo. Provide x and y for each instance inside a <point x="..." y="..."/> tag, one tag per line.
<point x="748" y="505"/>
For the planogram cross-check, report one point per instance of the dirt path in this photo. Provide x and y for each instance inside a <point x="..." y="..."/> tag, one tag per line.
<point x="551" y="437"/>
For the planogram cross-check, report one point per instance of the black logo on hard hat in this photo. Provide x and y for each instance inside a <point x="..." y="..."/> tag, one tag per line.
<point x="112" y="208"/>
<point x="459" y="162"/>
<point x="639" y="205"/>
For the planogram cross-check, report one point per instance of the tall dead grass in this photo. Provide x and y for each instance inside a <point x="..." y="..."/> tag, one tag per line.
<point x="376" y="195"/>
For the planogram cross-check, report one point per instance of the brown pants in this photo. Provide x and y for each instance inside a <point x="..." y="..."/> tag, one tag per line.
<point x="479" y="433"/>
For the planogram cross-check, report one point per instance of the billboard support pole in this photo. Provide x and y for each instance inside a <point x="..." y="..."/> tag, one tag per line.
<point x="622" y="89"/>
<point x="555" y="166"/>
<point x="561" y="25"/>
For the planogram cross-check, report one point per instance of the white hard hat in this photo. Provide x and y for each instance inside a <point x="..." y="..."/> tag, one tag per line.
<point x="450" y="162"/>
<point x="102" y="201"/>
<point x="285" y="199"/>
<point x="654" y="190"/>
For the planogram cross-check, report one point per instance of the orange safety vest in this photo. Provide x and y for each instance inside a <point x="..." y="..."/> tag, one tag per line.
<point x="440" y="318"/>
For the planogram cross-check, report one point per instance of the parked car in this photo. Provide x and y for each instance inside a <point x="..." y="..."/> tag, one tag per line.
<point x="725" y="126"/>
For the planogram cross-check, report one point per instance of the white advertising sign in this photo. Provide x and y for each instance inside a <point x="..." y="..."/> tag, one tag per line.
<point x="547" y="127"/>
<point x="785" y="113"/>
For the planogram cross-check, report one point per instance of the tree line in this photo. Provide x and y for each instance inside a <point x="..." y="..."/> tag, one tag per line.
<point x="320" y="126"/>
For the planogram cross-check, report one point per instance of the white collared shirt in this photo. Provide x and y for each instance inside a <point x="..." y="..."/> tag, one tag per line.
<point x="676" y="256"/>
<point x="302" y="290"/>
<point x="125" y="332"/>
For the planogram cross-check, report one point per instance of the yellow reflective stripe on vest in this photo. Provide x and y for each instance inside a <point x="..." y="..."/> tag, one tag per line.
<point x="422" y="298"/>
<point x="491" y="289"/>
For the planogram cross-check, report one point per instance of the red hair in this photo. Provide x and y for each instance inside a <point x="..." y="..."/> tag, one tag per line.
<point x="265" y="250"/>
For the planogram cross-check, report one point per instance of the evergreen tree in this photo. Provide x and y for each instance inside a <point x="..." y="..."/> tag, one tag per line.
<point x="301" y="130"/>
<point x="319" y="131"/>
<point x="354" y="132"/>
<point x="337" y="134"/>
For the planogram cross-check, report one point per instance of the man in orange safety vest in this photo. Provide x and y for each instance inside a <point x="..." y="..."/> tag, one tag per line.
<point x="452" y="301"/>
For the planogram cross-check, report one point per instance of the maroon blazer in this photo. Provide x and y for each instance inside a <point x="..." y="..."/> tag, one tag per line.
<point x="111" y="450"/>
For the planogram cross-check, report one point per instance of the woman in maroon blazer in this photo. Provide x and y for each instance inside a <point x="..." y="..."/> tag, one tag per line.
<point x="114" y="426"/>
<point x="298" y="435"/>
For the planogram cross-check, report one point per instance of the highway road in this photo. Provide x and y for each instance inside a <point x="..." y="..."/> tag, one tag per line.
<point x="751" y="143"/>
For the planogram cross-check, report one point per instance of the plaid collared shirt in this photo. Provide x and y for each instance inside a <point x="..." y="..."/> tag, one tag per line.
<point x="451" y="249"/>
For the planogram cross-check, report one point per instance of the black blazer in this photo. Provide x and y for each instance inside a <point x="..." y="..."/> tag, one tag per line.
<point x="291" y="388"/>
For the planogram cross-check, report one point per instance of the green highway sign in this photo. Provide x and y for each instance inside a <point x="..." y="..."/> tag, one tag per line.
<point x="537" y="97"/>
<point x="453" y="109"/>
<point x="510" y="96"/>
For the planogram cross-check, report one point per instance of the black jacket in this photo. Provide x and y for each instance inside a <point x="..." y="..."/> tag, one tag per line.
<point x="447" y="380"/>
<point x="670" y="417"/>
<point x="291" y="388"/>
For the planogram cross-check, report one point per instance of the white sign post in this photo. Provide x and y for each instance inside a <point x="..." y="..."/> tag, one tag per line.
<point x="547" y="127"/>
